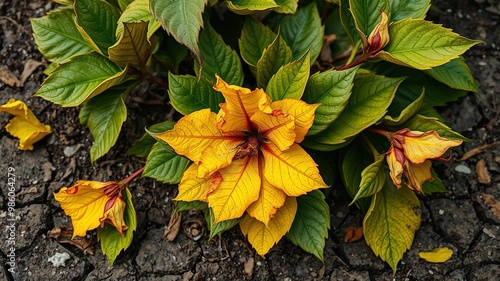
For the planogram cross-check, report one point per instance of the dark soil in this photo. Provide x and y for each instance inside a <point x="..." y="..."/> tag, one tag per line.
<point x="459" y="219"/>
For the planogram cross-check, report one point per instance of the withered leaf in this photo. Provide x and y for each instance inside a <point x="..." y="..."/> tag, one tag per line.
<point x="353" y="233"/>
<point x="173" y="226"/>
<point x="477" y="150"/>
<point x="64" y="234"/>
<point x="482" y="173"/>
<point x="491" y="202"/>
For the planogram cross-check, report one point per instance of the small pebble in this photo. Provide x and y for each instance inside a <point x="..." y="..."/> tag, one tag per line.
<point x="441" y="212"/>
<point x="71" y="150"/>
<point x="59" y="259"/>
<point x="463" y="169"/>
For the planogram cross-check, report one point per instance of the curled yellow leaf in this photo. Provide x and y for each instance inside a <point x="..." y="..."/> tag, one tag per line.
<point x="437" y="255"/>
<point x="24" y="126"/>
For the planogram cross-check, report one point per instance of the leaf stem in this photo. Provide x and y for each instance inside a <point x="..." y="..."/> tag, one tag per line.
<point x="134" y="175"/>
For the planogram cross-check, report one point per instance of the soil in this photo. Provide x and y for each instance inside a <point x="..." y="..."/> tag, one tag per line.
<point x="459" y="220"/>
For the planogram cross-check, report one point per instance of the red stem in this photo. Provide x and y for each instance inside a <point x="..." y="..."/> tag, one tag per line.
<point x="132" y="176"/>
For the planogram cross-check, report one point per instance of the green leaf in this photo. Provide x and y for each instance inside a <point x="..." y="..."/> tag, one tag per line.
<point x="218" y="58"/>
<point x="402" y="9"/>
<point x="165" y="166"/>
<point x="348" y="22"/>
<point x="188" y="94"/>
<point x="97" y="21"/>
<point x="372" y="179"/>
<point x="422" y="45"/>
<point x="138" y="10"/>
<point x="312" y="221"/>
<point x="247" y="7"/>
<point x="57" y="37"/>
<point x="133" y="47"/>
<point x="273" y="57"/>
<point x="424" y="124"/>
<point x="286" y="6"/>
<point x="366" y="14"/>
<point x="106" y="114"/>
<point x="255" y="38"/>
<point x="290" y="80"/>
<point x="390" y="224"/>
<point x="455" y="74"/>
<point x="192" y="205"/>
<point x="435" y="186"/>
<point x="112" y="243"/>
<point x="371" y="96"/>
<point x="303" y="31"/>
<point x="182" y="19"/>
<point x="354" y="161"/>
<point x="402" y="115"/>
<point x="143" y="146"/>
<point x="219" y="228"/>
<point x="72" y="82"/>
<point x="332" y="90"/>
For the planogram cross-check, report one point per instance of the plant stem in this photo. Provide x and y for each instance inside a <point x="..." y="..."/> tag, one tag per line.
<point x="132" y="176"/>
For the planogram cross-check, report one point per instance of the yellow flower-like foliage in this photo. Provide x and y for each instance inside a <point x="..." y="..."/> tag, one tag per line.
<point x="410" y="154"/>
<point x="247" y="161"/>
<point x="24" y="126"/>
<point x="379" y="37"/>
<point x="91" y="203"/>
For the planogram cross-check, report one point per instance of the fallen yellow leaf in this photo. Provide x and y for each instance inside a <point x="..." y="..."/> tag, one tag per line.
<point x="24" y="126"/>
<point x="437" y="255"/>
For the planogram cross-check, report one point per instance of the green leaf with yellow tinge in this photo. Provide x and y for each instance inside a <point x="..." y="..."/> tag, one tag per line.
<point x="435" y="186"/>
<point x="112" y="243"/>
<point x="366" y="14"/>
<point x="405" y="114"/>
<point x="286" y="6"/>
<point x="354" y="161"/>
<point x="72" y="83"/>
<point x="455" y="74"/>
<point x="312" y="221"/>
<point x="437" y="255"/>
<point x="133" y="46"/>
<point x="332" y="90"/>
<point x="123" y="4"/>
<point x="303" y="31"/>
<point x="255" y="38"/>
<point x="190" y="205"/>
<point x="371" y="96"/>
<point x="218" y="58"/>
<point x="290" y="80"/>
<point x="188" y="94"/>
<point x="97" y="21"/>
<point x="138" y="10"/>
<point x="422" y="44"/>
<point x="390" y="224"/>
<point x="372" y="179"/>
<point x="143" y="146"/>
<point x="347" y="20"/>
<point x="57" y="37"/>
<point x="164" y="165"/>
<point x="403" y="9"/>
<point x="247" y="7"/>
<point x="106" y="114"/>
<point x="181" y="19"/>
<point x="273" y="58"/>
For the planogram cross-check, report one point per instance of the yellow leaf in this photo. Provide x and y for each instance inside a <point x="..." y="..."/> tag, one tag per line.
<point x="240" y="187"/>
<point x="240" y="105"/>
<point x="197" y="131"/>
<point x="395" y="167"/>
<point x="114" y="215"/>
<point x="270" y="200"/>
<point x="216" y="157"/>
<point x="437" y="255"/>
<point x="293" y="170"/>
<point x="302" y="112"/>
<point x="263" y="237"/>
<point x="25" y="126"/>
<point x="419" y="146"/>
<point x="192" y="188"/>
<point x="418" y="174"/>
<point x="84" y="203"/>
<point x="277" y="127"/>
